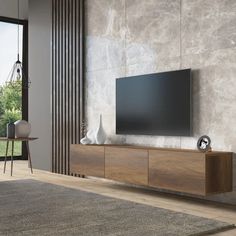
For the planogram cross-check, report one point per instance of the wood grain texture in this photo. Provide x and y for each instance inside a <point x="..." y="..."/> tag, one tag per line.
<point x="177" y="171"/>
<point x="126" y="165"/>
<point x="87" y="160"/>
<point x="182" y="171"/>
<point x="67" y="80"/>
<point x="219" y="173"/>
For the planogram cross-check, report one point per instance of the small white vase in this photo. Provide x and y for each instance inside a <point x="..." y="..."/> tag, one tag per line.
<point x="100" y="135"/>
<point x="22" y="129"/>
<point x="91" y="137"/>
<point x="85" y="140"/>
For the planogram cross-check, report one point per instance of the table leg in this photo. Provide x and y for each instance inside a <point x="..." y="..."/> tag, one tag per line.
<point x="5" y="161"/>
<point x="29" y="156"/>
<point x="12" y="153"/>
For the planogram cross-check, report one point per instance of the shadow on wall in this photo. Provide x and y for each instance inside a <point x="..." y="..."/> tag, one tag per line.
<point x="234" y="174"/>
<point x="195" y="102"/>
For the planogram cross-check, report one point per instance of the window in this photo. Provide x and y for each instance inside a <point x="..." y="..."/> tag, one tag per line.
<point x="13" y="100"/>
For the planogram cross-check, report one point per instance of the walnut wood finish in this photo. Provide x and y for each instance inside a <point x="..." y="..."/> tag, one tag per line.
<point x="194" y="173"/>
<point x="219" y="173"/>
<point x="187" y="171"/>
<point x="127" y="165"/>
<point x="87" y="160"/>
<point x="177" y="171"/>
<point x="67" y="80"/>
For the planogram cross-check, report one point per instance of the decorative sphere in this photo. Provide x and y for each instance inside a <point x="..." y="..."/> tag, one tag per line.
<point x="22" y="129"/>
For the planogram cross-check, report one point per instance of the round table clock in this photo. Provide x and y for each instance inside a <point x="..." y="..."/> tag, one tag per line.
<point x="204" y="143"/>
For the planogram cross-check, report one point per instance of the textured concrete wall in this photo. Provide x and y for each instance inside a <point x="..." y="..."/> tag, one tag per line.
<point x="132" y="37"/>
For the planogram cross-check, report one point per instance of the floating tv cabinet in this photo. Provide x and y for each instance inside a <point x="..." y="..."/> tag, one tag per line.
<point x="180" y="170"/>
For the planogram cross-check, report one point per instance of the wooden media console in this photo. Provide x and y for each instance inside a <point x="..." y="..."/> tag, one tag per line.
<point x="180" y="170"/>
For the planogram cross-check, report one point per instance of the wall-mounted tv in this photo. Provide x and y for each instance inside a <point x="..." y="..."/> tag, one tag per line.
<point x="155" y="104"/>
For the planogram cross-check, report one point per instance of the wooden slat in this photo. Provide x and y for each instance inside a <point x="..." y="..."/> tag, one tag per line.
<point x="67" y="80"/>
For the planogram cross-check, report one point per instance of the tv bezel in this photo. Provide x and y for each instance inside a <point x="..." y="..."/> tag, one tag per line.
<point x="155" y="134"/>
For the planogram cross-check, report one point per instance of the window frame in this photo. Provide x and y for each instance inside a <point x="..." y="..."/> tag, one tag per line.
<point x="25" y="95"/>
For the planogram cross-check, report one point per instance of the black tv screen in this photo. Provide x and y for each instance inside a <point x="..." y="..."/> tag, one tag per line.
<point x="155" y="104"/>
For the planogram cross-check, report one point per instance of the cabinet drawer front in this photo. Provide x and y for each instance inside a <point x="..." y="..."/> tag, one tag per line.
<point x="87" y="160"/>
<point x="177" y="171"/>
<point x="127" y="165"/>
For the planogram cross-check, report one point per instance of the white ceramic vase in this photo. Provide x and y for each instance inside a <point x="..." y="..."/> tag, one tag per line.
<point x="85" y="140"/>
<point x="22" y="129"/>
<point x="91" y="137"/>
<point x="100" y="135"/>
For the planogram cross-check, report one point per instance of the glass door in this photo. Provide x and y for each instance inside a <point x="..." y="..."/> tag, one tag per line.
<point x="12" y="96"/>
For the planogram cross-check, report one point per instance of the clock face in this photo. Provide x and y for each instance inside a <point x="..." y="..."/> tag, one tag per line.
<point x="203" y="143"/>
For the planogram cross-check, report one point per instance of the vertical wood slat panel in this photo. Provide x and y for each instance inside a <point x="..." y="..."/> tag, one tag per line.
<point x="81" y="71"/>
<point x="53" y="84"/>
<point x="67" y="80"/>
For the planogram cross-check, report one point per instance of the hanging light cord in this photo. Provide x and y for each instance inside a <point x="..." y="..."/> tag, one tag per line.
<point x="17" y="72"/>
<point x="18" y="31"/>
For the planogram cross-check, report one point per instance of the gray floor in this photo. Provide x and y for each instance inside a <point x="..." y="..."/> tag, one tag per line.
<point x="30" y="207"/>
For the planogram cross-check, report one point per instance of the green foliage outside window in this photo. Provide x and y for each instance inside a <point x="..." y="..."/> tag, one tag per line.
<point x="10" y="110"/>
<point x="10" y="104"/>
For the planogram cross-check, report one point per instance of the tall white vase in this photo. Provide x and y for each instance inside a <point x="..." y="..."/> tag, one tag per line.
<point x="100" y="135"/>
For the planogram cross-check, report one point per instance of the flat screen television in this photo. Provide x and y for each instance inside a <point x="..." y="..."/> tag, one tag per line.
<point x="155" y="104"/>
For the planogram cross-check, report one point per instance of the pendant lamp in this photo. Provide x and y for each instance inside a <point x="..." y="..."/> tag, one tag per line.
<point x="17" y="74"/>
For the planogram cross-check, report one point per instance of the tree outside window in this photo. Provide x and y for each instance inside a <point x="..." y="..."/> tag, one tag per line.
<point x="10" y="94"/>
